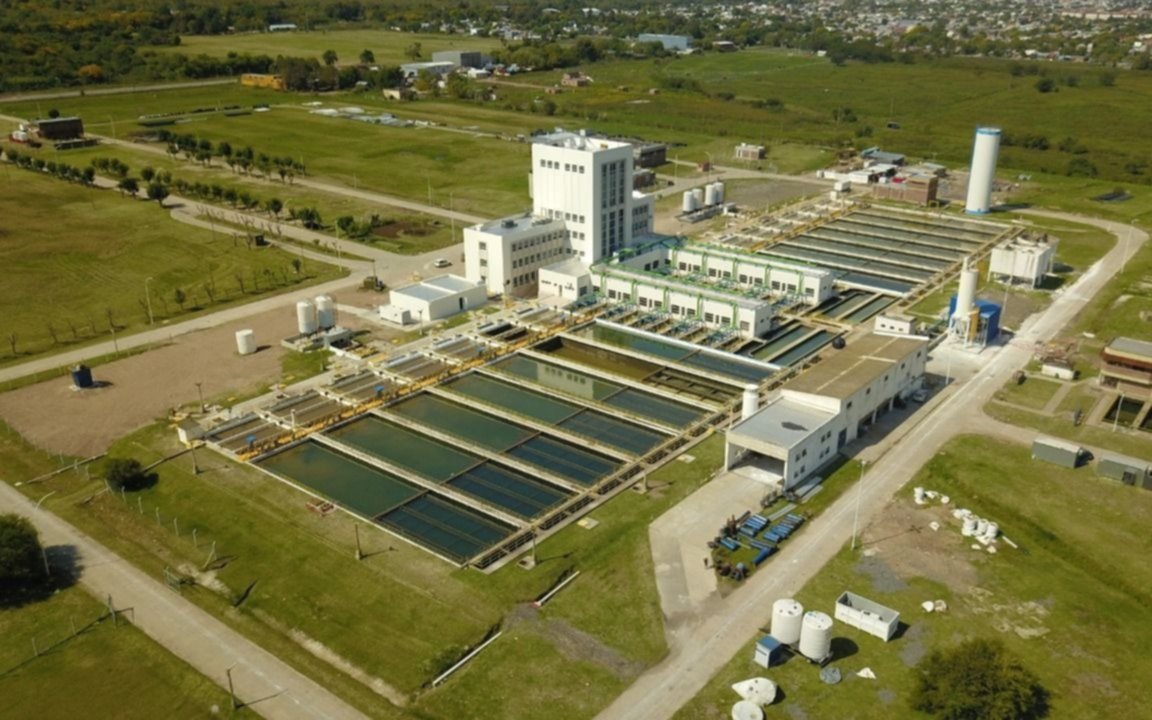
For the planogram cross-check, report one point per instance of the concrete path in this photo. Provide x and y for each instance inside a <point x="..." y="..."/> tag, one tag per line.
<point x="721" y="628"/>
<point x="276" y="690"/>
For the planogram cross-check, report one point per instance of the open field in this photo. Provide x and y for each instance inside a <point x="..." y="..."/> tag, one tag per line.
<point x="1070" y="603"/>
<point x="1033" y="393"/>
<point x="76" y="256"/>
<point x="105" y="671"/>
<point x="389" y="47"/>
<point x="400" y="231"/>
<point x="306" y="579"/>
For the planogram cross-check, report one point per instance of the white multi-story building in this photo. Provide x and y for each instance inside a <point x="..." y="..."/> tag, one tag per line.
<point x="582" y="189"/>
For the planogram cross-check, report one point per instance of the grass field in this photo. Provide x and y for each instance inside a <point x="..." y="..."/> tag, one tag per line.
<point x="1070" y="603"/>
<point x="105" y="671"/>
<point x="1033" y="393"/>
<point x="306" y="580"/>
<point x="388" y="47"/>
<point x="77" y="254"/>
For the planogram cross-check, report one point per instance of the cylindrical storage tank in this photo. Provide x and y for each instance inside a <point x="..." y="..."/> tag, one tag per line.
<point x="689" y="202"/>
<point x="751" y="401"/>
<point x="966" y="295"/>
<point x="306" y="317"/>
<point x="981" y="527"/>
<point x="787" y="617"/>
<point x="983" y="172"/>
<point x="82" y="376"/>
<point x="969" y="528"/>
<point x="719" y="192"/>
<point x="816" y="635"/>
<point x="747" y="710"/>
<point x="710" y="196"/>
<point x="245" y="342"/>
<point x="918" y="494"/>
<point x="325" y="312"/>
<point x="698" y="194"/>
<point x="992" y="531"/>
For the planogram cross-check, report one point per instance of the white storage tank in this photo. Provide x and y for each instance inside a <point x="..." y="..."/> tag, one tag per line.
<point x="787" y="617"/>
<point x="719" y="192"/>
<point x="711" y="197"/>
<point x="747" y="710"/>
<point x="992" y="531"/>
<point x="306" y="317"/>
<point x="689" y="202"/>
<point x="983" y="174"/>
<point x="698" y="194"/>
<point x="751" y="401"/>
<point x="245" y="342"/>
<point x="969" y="528"/>
<point x="816" y="635"/>
<point x="325" y="312"/>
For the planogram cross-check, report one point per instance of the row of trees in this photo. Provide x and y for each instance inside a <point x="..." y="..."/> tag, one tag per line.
<point x="59" y="170"/>
<point x="243" y="160"/>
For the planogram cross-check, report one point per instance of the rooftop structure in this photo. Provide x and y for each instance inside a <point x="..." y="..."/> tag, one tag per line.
<point x="1127" y="364"/>
<point x="1022" y="259"/>
<point x="843" y="374"/>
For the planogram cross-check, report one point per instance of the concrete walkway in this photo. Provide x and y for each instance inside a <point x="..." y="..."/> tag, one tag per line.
<point x="722" y="627"/>
<point x="277" y="691"/>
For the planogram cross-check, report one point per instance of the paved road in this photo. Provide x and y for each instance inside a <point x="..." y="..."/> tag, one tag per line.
<point x="188" y="632"/>
<point x="118" y="90"/>
<point x="723" y="627"/>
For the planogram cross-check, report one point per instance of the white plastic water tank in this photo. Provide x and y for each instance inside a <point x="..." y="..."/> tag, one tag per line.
<point x="992" y="531"/>
<point x="689" y="202"/>
<point x="698" y="193"/>
<point x="751" y="401"/>
<point x="787" y="617"/>
<point x="747" y="710"/>
<point x="981" y="527"/>
<point x="306" y="317"/>
<point x="719" y="192"/>
<point x="918" y="495"/>
<point x="816" y="635"/>
<point x="325" y="312"/>
<point x="710" y="195"/>
<point x="969" y="528"/>
<point x="245" y="342"/>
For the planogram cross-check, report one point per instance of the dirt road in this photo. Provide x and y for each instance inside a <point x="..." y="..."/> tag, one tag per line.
<point x="118" y="90"/>
<point x="190" y="633"/>
<point x="705" y="643"/>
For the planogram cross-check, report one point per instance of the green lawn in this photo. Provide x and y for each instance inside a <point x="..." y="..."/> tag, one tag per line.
<point x="1033" y="393"/>
<point x="1070" y="603"/>
<point x="388" y="47"/>
<point x="72" y="256"/>
<point x="104" y="671"/>
<point x="305" y="578"/>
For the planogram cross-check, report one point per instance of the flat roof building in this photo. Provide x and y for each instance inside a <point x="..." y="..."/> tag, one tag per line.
<point x="1127" y="365"/>
<point x="433" y="299"/>
<point x="670" y="42"/>
<point x="1022" y="259"/>
<point x="802" y="427"/>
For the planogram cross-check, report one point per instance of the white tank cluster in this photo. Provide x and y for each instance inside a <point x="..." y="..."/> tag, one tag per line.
<point x="787" y="618"/>
<point x="983" y="172"/>
<point x="306" y="321"/>
<point x="923" y="497"/>
<point x="245" y="342"/>
<point x="983" y="530"/>
<point x="325" y="312"/>
<point x="816" y="635"/>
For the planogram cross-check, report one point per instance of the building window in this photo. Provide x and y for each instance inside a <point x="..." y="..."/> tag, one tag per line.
<point x="483" y="262"/>
<point x="483" y="245"/>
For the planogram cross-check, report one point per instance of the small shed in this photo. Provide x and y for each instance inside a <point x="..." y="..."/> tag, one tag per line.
<point x="1128" y="470"/>
<point x="769" y="652"/>
<point x="863" y="614"/>
<point x="1058" y="369"/>
<point x="1058" y="452"/>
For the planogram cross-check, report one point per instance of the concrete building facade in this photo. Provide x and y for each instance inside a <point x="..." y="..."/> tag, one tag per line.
<point x="802" y="427"/>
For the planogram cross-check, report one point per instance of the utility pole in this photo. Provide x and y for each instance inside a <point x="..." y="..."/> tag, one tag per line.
<point x="231" y="690"/>
<point x="359" y="552"/>
<point x="200" y="393"/>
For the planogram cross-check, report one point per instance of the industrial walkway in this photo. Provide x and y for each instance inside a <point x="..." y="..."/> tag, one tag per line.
<point x="702" y="644"/>
<point x="277" y="691"/>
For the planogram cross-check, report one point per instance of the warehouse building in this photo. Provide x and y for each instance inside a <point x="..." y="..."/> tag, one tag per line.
<point x="412" y="70"/>
<point x="462" y="58"/>
<point x="64" y="128"/>
<point x="433" y="299"/>
<point x="801" y="428"/>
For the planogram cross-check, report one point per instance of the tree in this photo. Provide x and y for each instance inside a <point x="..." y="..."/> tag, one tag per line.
<point x="179" y="296"/>
<point x="274" y="206"/>
<point x="127" y="474"/>
<point x="367" y="57"/>
<point x="329" y="57"/>
<point x="129" y="185"/>
<point x="147" y="173"/>
<point x="977" y="680"/>
<point x="53" y="113"/>
<point x="414" y="51"/>
<point x="1080" y="167"/>
<point x="1045" y="85"/>
<point x="158" y="191"/>
<point x="21" y="557"/>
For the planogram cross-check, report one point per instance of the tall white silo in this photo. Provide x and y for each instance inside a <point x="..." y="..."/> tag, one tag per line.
<point x="965" y="300"/>
<point x="983" y="173"/>
<point x="719" y="192"/>
<point x="306" y="322"/>
<point x="711" y="196"/>
<point x="698" y="193"/>
<point x="325" y="312"/>
<point x="689" y="202"/>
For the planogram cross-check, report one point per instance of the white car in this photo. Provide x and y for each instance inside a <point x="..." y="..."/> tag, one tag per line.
<point x="441" y="263"/>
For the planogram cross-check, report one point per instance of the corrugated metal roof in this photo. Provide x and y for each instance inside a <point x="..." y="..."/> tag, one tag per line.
<point x="1131" y="346"/>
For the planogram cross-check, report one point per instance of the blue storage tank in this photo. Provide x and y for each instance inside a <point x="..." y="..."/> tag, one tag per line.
<point x="82" y="376"/>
